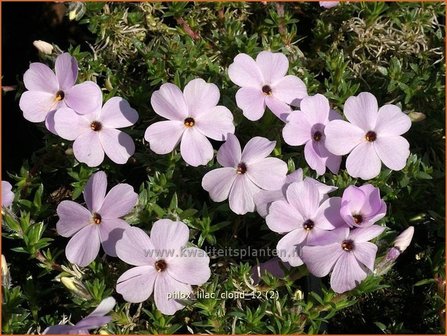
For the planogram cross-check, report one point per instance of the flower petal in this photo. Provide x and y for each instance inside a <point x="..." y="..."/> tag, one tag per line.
<point x="304" y="196"/>
<point x="268" y="174"/>
<point x="7" y="194"/>
<point x="347" y="273"/>
<point x="88" y="149"/>
<point x="229" y="154"/>
<point x="95" y="191"/>
<point x="192" y="267"/>
<point x="119" y="201"/>
<point x="362" y="110"/>
<point x="393" y="151"/>
<point x="366" y="254"/>
<point x="195" y="148"/>
<point x="297" y="131"/>
<point x="110" y="232"/>
<point x="91" y="322"/>
<point x="137" y="284"/>
<point x="241" y="195"/>
<point x="60" y="330"/>
<point x="166" y="286"/>
<point x="66" y="69"/>
<point x="169" y="235"/>
<point x="40" y="77"/>
<point x="316" y="109"/>
<point x="164" y="136"/>
<point x="366" y="234"/>
<point x="278" y="108"/>
<point x="68" y="124"/>
<point x="264" y="199"/>
<point x="134" y="247"/>
<point x="118" y="146"/>
<point x="200" y="96"/>
<point x="83" y="247"/>
<point x="169" y="102"/>
<point x="72" y="218"/>
<point x="273" y="66"/>
<point x="84" y="98"/>
<point x="289" y="88"/>
<point x="36" y="105"/>
<point x="218" y="183"/>
<point x="328" y="216"/>
<point x="289" y="247"/>
<point x="363" y="162"/>
<point x="256" y="149"/>
<point x="321" y="259"/>
<point x="282" y="217"/>
<point x="252" y="102"/>
<point x="105" y="307"/>
<point x="391" y="121"/>
<point x="216" y="123"/>
<point x="117" y="113"/>
<point x="245" y="72"/>
<point x="342" y="137"/>
<point x="314" y="158"/>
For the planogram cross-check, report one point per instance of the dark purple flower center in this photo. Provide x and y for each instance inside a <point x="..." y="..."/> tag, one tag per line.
<point x="371" y="136"/>
<point x="96" y="218"/>
<point x="96" y="126"/>
<point x="317" y="136"/>
<point x="347" y="245"/>
<point x="358" y="219"/>
<point x="160" y="265"/>
<point x="189" y="122"/>
<point x="267" y="90"/>
<point x="60" y="95"/>
<point x="241" y="168"/>
<point x="308" y="225"/>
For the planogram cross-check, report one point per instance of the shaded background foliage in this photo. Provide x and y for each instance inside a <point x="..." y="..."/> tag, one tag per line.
<point x="394" y="50"/>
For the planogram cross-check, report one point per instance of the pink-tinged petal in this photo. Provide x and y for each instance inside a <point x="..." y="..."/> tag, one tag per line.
<point x="295" y="176"/>
<point x="137" y="284"/>
<point x="117" y="113"/>
<point x="7" y="194"/>
<point x="88" y="149"/>
<point x="363" y="162"/>
<point x="40" y="77"/>
<point x="268" y="174"/>
<point x="110" y="232"/>
<point x="323" y="189"/>
<point x="84" y="98"/>
<point x="68" y="124"/>
<point x="297" y="131"/>
<point x="95" y="191"/>
<point x="252" y="102"/>
<point x="289" y="247"/>
<point x="167" y="234"/>
<point x="134" y="247"/>
<point x="218" y="183"/>
<point x="379" y="215"/>
<point x="346" y="214"/>
<point x="118" y="146"/>
<point x="362" y="110"/>
<point x="320" y="237"/>
<point x="373" y="202"/>
<point x="391" y="121"/>
<point x="347" y="273"/>
<point x="393" y="151"/>
<point x="91" y="322"/>
<point x="166" y="291"/>
<point x="265" y="198"/>
<point x="328" y="4"/>
<point x="66" y="69"/>
<point x="164" y="136"/>
<point x="241" y="195"/>
<point x="328" y="214"/>
<point x="278" y="108"/>
<point x="321" y="259"/>
<point x="366" y="254"/>
<point x="216" y="123"/>
<point x="333" y="162"/>
<point x="304" y="196"/>
<point x="334" y="115"/>
<point x="355" y="198"/>
<point x="273" y="66"/>
<point x="192" y="267"/>
<point x="36" y="105"/>
<point x="316" y="109"/>
<point x="200" y="96"/>
<point x="195" y="148"/>
<point x="60" y="330"/>
<point x="274" y="267"/>
<point x="229" y="154"/>
<point x="72" y="218"/>
<point x="119" y="201"/>
<point x="169" y="102"/>
<point x="245" y="72"/>
<point x="49" y="122"/>
<point x="314" y="158"/>
<point x="342" y="137"/>
<point x="83" y="247"/>
<point x="256" y="149"/>
<point x="366" y="234"/>
<point x="105" y="307"/>
<point x="282" y="217"/>
<point x="288" y="89"/>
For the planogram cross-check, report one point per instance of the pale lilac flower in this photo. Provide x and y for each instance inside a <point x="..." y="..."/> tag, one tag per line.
<point x="97" y="132"/>
<point x="264" y="198"/>
<point x="273" y="266"/>
<point x="100" y="224"/>
<point x="328" y="4"/>
<point x="244" y="174"/>
<point x="94" y="320"/>
<point x="304" y="218"/>
<point x="7" y="194"/>
<point x="362" y="206"/>
<point x="350" y="257"/>
<point x="371" y="136"/>
<point x="401" y="243"/>
<point x="264" y="83"/>
<point x="193" y="116"/>
<point x="49" y="91"/>
<point x="164" y="266"/>
<point x="306" y="127"/>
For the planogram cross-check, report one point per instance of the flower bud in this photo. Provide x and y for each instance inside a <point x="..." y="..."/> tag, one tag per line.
<point x="76" y="287"/>
<point x="43" y="47"/>
<point x="404" y="239"/>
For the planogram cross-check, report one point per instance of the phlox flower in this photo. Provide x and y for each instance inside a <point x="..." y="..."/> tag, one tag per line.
<point x="94" y="320"/>
<point x="264" y="83"/>
<point x="49" y="91"/>
<point x="193" y="116"/>
<point x="304" y="218"/>
<point x="164" y="266"/>
<point x="328" y="4"/>
<point x="244" y="174"/>
<point x="273" y="266"/>
<point x="362" y="206"/>
<point x="349" y="257"/>
<point x="371" y="136"/>
<point x="97" y="133"/>
<point x="7" y="194"/>
<point x="306" y="127"/>
<point x="99" y="224"/>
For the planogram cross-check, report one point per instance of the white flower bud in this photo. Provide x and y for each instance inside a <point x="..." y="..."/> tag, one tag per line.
<point x="43" y="47"/>
<point x="404" y="239"/>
